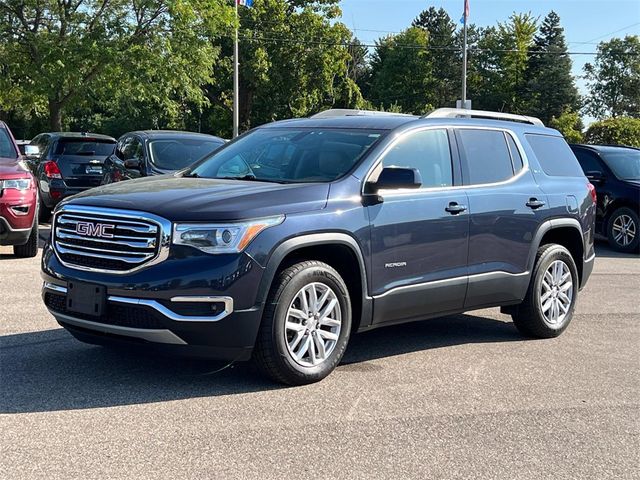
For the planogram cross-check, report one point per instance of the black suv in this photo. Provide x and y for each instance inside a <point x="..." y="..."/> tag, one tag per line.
<point x="615" y="172"/>
<point x="67" y="163"/>
<point x="156" y="152"/>
<point x="285" y="241"/>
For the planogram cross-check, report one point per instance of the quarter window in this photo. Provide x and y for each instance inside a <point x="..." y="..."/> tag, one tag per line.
<point x="486" y="156"/>
<point x="515" y="154"/>
<point x="427" y="151"/>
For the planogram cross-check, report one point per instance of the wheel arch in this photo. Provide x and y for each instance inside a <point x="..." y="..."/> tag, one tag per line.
<point x="563" y="231"/>
<point x="337" y="249"/>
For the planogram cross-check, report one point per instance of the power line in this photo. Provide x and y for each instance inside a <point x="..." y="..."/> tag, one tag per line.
<point x="610" y="33"/>
<point x="405" y="46"/>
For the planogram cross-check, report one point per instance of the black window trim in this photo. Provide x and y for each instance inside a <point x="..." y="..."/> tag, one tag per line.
<point x="455" y="162"/>
<point x="513" y="178"/>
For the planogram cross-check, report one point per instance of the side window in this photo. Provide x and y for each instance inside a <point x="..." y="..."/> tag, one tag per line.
<point x="486" y="156"/>
<point x="554" y="155"/>
<point x="428" y="152"/>
<point x="588" y="161"/>
<point x="515" y="154"/>
<point x="119" y="151"/>
<point x="132" y="149"/>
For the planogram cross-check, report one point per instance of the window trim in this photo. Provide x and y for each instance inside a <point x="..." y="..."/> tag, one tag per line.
<point x="456" y="159"/>
<point x="515" y="176"/>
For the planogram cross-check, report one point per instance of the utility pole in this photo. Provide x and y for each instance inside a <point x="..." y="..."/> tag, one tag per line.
<point x="464" y="63"/>
<point x="236" y="74"/>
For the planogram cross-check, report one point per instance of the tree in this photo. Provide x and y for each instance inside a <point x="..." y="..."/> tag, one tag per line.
<point x="615" y="131"/>
<point x="294" y="61"/>
<point x="401" y="72"/>
<point x="550" y="87"/>
<point x="64" y="54"/>
<point x="570" y="125"/>
<point x="614" y="79"/>
<point x="445" y="55"/>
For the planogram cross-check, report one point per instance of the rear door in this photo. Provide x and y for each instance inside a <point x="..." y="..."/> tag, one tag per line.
<point x="81" y="160"/>
<point x="419" y="242"/>
<point x="505" y="208"/>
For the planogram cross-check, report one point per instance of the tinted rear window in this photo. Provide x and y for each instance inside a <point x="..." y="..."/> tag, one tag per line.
<point x="487" y="158"/>
<point x="84" y="146"/>
<point x="554" y="155"/>
<point x="7" y="150"/>
<point x="175" y="154"/>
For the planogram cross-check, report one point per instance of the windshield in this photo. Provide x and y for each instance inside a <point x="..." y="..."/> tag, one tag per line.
<point x="84" y="146"/>
<point x="624" y="163"/>
<point x="179" y="153"/>
<point x="7" y="150"/>
<point x="289" y="155"/>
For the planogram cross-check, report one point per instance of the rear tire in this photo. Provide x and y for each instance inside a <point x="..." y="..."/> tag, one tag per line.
<point x="29" y="249"/>
<point x="623" y="231"/>
<point x="306" y="324"/>
<point x="547" y="309"/>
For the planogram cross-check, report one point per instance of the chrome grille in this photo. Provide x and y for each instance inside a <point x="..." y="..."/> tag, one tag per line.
<point x="109" y="240"/>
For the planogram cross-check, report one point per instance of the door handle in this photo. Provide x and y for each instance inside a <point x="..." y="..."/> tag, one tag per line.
<point x="534" y="203"/>
<point x="454" y="208"/>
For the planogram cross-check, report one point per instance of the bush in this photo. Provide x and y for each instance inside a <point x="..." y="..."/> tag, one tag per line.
<point x="570" y="125"/>
<point x="616" y="131"/>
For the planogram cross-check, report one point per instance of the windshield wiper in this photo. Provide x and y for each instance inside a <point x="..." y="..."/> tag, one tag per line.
<point x="190" y="174"/>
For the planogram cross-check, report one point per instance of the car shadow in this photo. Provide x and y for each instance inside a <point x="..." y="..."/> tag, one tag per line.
<point x="605" y="251"/>
<point x="51" y="371"/>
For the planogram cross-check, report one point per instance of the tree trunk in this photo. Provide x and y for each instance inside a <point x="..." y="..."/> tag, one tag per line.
<point x="55" y="116"/>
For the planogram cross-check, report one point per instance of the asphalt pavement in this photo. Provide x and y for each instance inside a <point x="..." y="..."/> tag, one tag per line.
<point x="459" y="397"/>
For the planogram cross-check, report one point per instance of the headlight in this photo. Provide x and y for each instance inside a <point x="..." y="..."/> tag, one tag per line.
<point x="16" y="184"/>
<point x="230" y="237"/>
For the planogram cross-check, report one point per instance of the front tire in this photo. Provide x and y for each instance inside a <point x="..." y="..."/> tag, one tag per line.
<point x="29" y="249"/>
<point x="306" y="324"/>
<point x="547" y="309"/>
<point x="623" y="230"/>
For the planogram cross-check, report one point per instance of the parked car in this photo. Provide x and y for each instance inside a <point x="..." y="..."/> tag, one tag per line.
<point x="67" y="163"/>
<point x="156" y="152"/>
<point x="615" y="172"/>
<point x="286" y="240"/>
<point x="18" y="199"/>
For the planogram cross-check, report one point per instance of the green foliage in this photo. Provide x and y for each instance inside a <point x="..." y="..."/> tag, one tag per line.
<point x="614" y="79"/>
<point x="615" y="131"/>
<point x="400" y="75"/>
<point x="550" y="89"/>
<point x="570" y="125"/>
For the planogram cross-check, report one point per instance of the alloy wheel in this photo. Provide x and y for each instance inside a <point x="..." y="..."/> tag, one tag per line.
<point x="624" y="230"/>
<point x="313" y="324"/>
<point x="556" y="292"/>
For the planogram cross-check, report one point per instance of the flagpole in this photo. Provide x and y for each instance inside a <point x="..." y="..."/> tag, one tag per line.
<point x="236" y="102"/>
<point x="464" y="60"/>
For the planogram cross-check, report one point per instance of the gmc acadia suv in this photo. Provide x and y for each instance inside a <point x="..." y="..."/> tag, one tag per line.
<point x="285" y="241"/>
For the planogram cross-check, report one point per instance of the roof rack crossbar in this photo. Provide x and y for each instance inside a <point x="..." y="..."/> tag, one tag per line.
<point x="463" y="112"/>
<point x="348" y="112"/>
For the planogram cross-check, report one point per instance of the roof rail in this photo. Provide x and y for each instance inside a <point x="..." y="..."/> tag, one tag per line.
<point x="462" y="112"/>
<point x="348" y="112"/>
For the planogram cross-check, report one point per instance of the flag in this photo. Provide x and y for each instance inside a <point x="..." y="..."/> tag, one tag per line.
<point x="465" y="13"/>
<point x="245" y="3"/>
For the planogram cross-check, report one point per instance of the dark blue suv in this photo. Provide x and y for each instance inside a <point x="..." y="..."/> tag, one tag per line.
<point x="287" y="240"/>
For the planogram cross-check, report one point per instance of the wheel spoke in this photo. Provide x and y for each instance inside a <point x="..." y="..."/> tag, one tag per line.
<point x="545" y="297"/>
<point x="313" y="356"/>
<point x="548" y="278"/>
<point x="294" y="312"/>
<point x="545" y="306"/>
<point x="303" y="349"/>
<point x="313" y="298"/>
<point x="566" y="286"/>
<point x="322" y="299"/>
<point x="328" y="335"/>
<point x="319" y="346"/>
<point x="296" y="327"/>
<point x="330" y="322"/>
<point x="296" y="340"/>
<point x="328" y="309"/>
<point x="303" y="300"/>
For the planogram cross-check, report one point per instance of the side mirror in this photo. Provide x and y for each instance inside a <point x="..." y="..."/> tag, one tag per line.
<point x="595" y="176"/>
<point x="395" y="177"/>
<point x="32" y="152"/>
<point x="132" y="164"/>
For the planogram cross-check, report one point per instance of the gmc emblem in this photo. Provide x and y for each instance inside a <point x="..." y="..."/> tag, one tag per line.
<point x="90" y="229"/>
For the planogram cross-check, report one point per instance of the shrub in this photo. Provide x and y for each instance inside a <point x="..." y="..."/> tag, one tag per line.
<point x="570" y="125"/>
<point x="618" y="131"/>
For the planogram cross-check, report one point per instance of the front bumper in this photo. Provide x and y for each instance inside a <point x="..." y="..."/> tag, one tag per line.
<point x="201" y="306"/>
<point x="13" y="236"/>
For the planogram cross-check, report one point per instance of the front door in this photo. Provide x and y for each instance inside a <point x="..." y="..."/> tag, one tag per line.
<point x="419" y="238"/>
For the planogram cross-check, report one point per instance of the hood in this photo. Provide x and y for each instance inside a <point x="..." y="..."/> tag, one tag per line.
<point x="205" y="200"/>
<point x="13" y="168"/>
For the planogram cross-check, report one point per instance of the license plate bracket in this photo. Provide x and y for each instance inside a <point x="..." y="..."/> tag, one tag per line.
<point x="86" y="298"/>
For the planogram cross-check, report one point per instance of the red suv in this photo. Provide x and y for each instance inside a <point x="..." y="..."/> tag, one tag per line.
<point x="18" y="199"/>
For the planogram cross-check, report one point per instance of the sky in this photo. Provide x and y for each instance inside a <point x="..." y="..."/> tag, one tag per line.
<point x="585" y="22"/>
